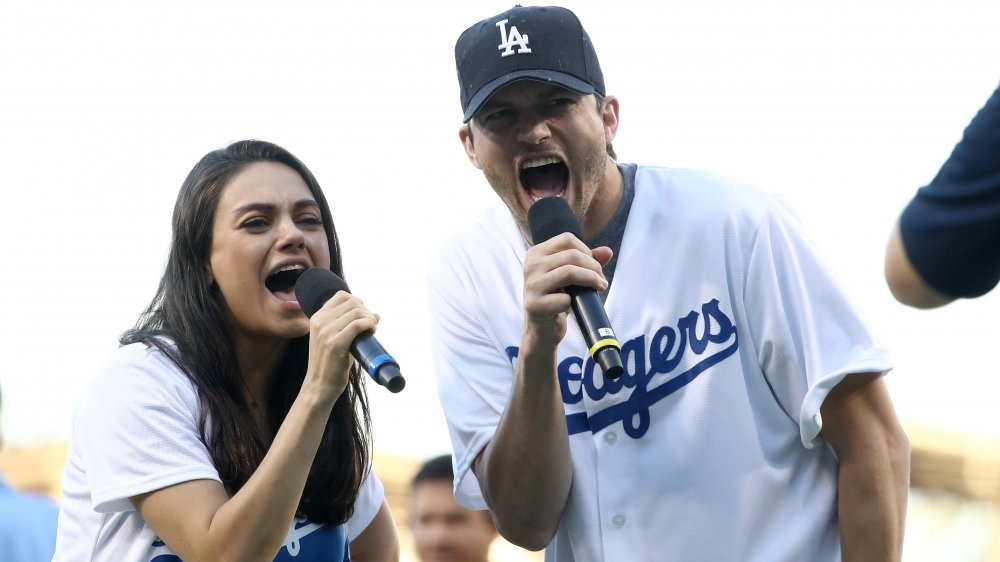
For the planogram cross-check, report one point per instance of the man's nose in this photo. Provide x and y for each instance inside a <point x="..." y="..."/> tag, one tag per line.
<point x="533" y="129"/>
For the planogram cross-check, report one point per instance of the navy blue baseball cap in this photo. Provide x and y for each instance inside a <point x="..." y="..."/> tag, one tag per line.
<point x="535" y="42"/>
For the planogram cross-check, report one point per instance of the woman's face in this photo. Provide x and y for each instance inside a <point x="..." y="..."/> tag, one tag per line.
<point x="267" y="230"/>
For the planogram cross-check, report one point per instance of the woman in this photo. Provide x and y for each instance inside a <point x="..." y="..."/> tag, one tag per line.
<point x="229" y="426"/>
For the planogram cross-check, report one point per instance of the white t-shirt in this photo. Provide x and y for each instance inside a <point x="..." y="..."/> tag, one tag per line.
<point x="135" y="430"/>
<point x="733" y="332"/>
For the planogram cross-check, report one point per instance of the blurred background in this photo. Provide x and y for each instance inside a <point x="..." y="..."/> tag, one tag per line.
<point x="844" y="107"/>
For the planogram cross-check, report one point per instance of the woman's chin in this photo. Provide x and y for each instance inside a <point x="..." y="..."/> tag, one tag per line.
<point x="298" y="329"/>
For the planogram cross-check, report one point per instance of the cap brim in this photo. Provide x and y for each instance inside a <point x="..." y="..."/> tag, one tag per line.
<point x="551" y="76"/>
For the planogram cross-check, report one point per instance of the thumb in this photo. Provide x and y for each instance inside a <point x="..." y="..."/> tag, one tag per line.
<point x="602" y="254"/>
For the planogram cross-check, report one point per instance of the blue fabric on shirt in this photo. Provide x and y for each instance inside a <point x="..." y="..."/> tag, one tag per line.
<point x="309" y="543"/>
<point x="951" y="228"/>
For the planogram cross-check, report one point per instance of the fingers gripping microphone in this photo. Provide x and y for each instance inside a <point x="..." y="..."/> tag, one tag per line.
<point x="313" y="289"/>
<point x="551" y="216"/>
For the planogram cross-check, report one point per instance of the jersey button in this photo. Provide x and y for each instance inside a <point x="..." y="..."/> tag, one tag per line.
<point x="611" y="438"/>
<point x="618" y="521"/>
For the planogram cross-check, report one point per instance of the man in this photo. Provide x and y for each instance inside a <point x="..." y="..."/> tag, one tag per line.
<point x="442" y="529"/>
<point x="751" y="423"/>
<point x="945" y="243"/>
<point x="27" y="525"/>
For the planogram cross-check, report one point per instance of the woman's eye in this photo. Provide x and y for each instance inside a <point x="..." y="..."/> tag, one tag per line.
<point x="255" y="223"/>
<point x="311" y="220"/>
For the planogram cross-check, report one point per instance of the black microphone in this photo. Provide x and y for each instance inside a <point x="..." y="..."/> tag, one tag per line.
<point x="551" y="216"/>
<point x="313" y="289"/>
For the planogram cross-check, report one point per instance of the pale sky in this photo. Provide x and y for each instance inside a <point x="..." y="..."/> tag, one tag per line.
<point x="844" y="107"/>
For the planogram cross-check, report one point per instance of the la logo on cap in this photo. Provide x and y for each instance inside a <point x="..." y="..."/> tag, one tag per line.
<point x="507" y="42"/>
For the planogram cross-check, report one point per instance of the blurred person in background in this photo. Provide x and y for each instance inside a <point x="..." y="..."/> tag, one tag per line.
<point x="27" y="523"/>
<point x="946" y="243"/>
<point x="443" y="530"/>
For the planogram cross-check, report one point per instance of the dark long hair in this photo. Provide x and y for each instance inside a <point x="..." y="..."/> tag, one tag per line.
<point x="187" y="321"/>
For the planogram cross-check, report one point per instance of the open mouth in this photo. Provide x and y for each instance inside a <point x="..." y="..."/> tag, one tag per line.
<point x="282" y="282"/>
<point x="544" y="177"/>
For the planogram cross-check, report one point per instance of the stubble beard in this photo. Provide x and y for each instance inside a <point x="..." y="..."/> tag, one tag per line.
<point x="590" y="186"/>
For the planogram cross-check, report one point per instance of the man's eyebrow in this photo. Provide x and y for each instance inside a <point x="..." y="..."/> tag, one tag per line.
<point x="491" y="104"/>
<point x="557" y="90"/>
<point x="549" y="91"/>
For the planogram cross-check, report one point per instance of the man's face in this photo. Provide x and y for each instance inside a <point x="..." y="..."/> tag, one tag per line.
<point x="533" y="139"/>
<point x="444" y="531"/>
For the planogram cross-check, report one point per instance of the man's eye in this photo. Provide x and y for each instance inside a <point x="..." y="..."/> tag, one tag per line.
<point x="559" y="104"/>
<point x="498" y="115"/>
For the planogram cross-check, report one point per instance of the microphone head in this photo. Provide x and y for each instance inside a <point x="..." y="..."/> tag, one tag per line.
<point x="315" y="287"/>
<point x="551" y="216"/>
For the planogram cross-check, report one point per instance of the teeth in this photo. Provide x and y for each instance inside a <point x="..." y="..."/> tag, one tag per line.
<point x="293" y="267"/>
<point x="536" y="198"/>
<point x="540" y="162"/>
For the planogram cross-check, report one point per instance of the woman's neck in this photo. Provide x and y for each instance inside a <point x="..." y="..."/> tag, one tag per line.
<point x="258" y="360"/>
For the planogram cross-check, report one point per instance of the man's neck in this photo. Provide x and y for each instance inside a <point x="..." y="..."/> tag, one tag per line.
<point x="605" y="203"/>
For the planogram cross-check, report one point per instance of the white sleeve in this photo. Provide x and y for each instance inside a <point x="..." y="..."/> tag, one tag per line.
<point x="137" y="430"/>
<point x="807" y="333"/>
<point x="473" y="374"/>
<point x="370" y="498"/>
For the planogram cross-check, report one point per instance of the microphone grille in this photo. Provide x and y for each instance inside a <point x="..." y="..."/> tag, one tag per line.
<point x="315" y="287"/>
<point x="551" y="216"/>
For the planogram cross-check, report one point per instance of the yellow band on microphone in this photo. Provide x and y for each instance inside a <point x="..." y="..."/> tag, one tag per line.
<point x="601" y="344"/>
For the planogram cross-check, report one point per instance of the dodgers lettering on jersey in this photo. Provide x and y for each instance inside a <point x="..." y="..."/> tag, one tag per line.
<point x="305" y="542"/>
<point x="658" y="358"/>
